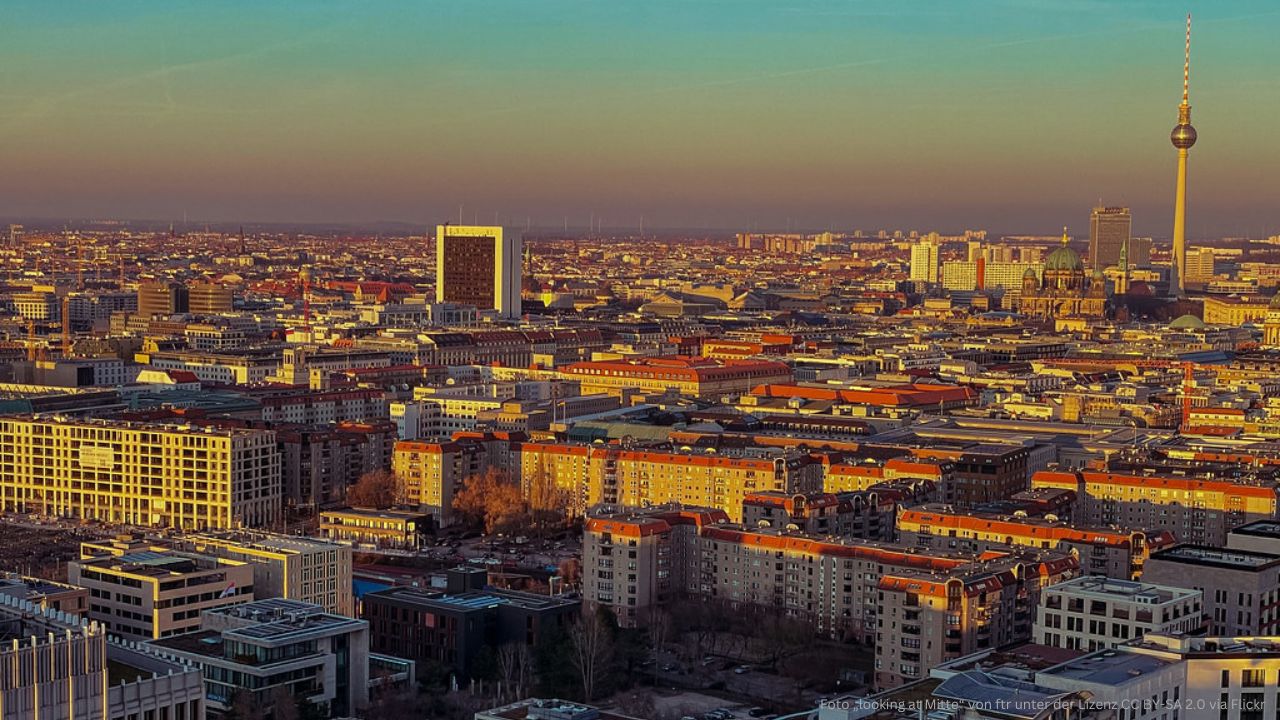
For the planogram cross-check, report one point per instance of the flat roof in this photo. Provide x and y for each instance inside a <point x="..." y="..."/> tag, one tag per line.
<point x="1108" y="667"/>
<point x="1210" y="556"/>
<point x="1098" y="586"/>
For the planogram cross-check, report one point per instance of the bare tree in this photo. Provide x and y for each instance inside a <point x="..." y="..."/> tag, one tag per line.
<point x="515" y="671"/>
<point x="658" y="627"/>
<point x="592" y="649"/>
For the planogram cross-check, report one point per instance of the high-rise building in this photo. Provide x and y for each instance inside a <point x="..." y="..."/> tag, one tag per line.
<point x="162" y="298"/>
<point x="924" y="260"/>
<point x="480" y="266"/>
<point x="1182" y="137"/>
<point x="207" y="298"/>
<point x="1108" y="236"/>
<point x="1199" y="264"/>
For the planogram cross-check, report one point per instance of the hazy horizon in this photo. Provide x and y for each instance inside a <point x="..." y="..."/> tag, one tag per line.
<point x="1011" y="116"/>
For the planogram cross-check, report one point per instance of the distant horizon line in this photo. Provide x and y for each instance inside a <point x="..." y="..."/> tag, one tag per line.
<point x="380" y="226"/>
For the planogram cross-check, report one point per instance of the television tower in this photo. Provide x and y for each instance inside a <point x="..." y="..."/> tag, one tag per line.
<point x="1182" y="137"/>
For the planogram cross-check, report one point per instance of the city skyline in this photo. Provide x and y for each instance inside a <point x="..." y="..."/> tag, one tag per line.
<point x="815" y="116"/>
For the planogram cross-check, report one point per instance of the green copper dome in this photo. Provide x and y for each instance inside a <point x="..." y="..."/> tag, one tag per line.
<point x="1187" y="322"/>
<point x="1064" y="258"/>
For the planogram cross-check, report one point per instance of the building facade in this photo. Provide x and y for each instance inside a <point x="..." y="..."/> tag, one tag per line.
<point x="479" y="266"/>
<point x="140" y="474"/>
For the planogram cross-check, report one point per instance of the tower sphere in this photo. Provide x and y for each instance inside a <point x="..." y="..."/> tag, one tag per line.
<point x="1183" y="136"/>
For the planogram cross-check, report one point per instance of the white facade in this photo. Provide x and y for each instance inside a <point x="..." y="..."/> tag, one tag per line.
<point x="1094" y="612"/>
<point x="503" y="294"/>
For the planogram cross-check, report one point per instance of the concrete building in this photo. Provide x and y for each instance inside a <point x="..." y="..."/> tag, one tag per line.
<point x="54" y="665"/>
<point x="1113" y="552"/>
<point x="1108" y="236"/>
<point x="925" y="260"/>
<point x="1163" y="676"/>
<point x="846" y="589"/>
<point x="1199" y="510"/>
<point x="479" y="266"/>
<point x="452" y="627"/>
<point x="285" y="566"/>
<point x="396" y="529"/>
<point x="140" y="474"/>
<point x="1241" y="588"/>
<point x="161" y="298"/>
<point x="209" y="298"/>
<point x="70" y="600"/>
<point x="315" y="656"/>
<point x="1090" y="612"/>
<point x="688" y="376"/>
<point x="155" y="592"/>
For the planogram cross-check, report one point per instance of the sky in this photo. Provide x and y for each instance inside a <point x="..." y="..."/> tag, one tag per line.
<point x="1010" y="115"/>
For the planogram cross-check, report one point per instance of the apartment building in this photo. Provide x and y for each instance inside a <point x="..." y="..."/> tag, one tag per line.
<point x="636" y="563"/>
<point x="928" y="617"/>
<point x="284" y="566"/>
<point x="232" y="367"/>
<point x="1241" y="588"/>
<point x="54" y="665"/>
<point x="868" y="515"/>
<point x="1116" y="553"/>
<point x="1091" y="612"/>
<point x="259" y="647"/>
<point x="1196" y="510"/>
<point x="140" y="474"/>
<point x="156" y="592"/>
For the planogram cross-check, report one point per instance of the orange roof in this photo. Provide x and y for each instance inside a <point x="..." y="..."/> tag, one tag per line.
<point x="1226" y="487"/>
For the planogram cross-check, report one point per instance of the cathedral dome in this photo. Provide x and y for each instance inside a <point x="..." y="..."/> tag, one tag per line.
<point x="1064" y="258"/>
<point x="1275" y="301"/>
<point x="1187" y="322"/>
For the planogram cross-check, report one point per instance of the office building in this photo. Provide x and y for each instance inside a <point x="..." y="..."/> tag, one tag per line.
<point x="219" y="477"/>
<point x="285" y="566"/>
<point x="925" y="260"/>
<point x="688" y="376"/>
<point x="162" y="298"/>
<point x="54" y="665"/>
<point x="453" y="627"/>
<point x="261" y="647"/>
<point x="480" y="266"/>
<point x="140" y="474"/>
<point x="1108" y="236"/>
<point x="70" y="600"/>
<point x="209" y="298"/>
<point x="1089" y="612"/>
<point x="143" y="591"/>
<point x="1200" y="264"/>
<point x="393" y="529"/>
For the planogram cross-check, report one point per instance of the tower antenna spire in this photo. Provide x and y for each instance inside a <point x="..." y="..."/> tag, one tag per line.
<point x="1186" y="68"/>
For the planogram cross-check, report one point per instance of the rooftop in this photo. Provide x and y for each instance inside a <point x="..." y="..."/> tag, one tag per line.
<point x="1108" y="667"/>
<point x="1217" y="557"/>
<point x="1101" y="587"/>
